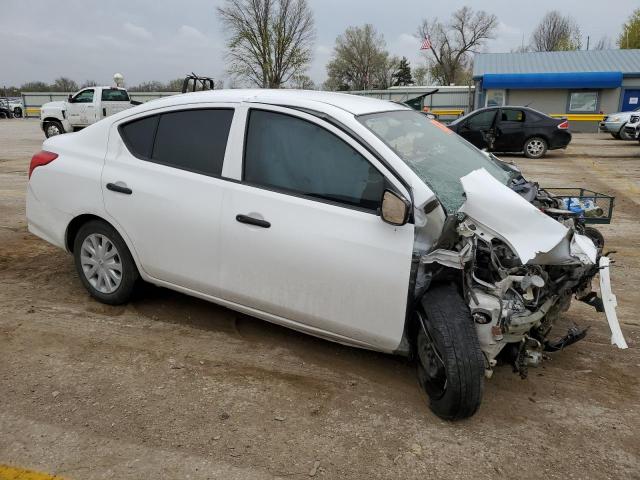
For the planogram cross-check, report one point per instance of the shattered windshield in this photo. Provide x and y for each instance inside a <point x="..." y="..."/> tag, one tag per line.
<point x="436" y="154"/>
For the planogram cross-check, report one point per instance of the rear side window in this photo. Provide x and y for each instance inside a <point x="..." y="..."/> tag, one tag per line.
<point x="114" y="95"/>
<point x="291" y="154"/>
<point x="193" y="140"/>
<point x="512" y="115"/>
<point x="138" y="135"/>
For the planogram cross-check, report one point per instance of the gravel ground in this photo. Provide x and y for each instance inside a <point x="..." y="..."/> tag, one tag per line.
<point x="173" y="387"/>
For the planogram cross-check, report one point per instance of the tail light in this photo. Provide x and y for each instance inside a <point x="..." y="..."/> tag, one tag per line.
<point x="41" y="158"/>
<point x="564" y="125"/>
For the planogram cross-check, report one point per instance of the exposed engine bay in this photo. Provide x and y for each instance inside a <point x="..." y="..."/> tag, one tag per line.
<point x="521" y="258"/>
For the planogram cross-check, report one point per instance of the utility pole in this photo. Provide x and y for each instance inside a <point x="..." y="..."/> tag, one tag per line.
<point x="587" y="42"/>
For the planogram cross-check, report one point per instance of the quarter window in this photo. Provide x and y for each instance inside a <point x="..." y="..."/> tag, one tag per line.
<point x="193" y="140"/>
<point x="291" y="154"/>
<point x="510" y="115"/>
<point x="583" y="102"/>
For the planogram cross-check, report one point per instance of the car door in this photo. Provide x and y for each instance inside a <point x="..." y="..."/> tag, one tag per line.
<point x="162" y="186"/>
<point x="302" y="238"/>
<point x="478" y="127"/>
<point x="81" y="108"/>
<point x="510" y="130"/>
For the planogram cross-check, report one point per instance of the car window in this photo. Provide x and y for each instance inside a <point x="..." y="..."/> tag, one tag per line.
<point x="85" y="96"/>
<point x="511" y="115"/>
<point x="114" y="95"/>
<point x="291" y="154"/>
<point x="482" y="120"/>
<point x="138" y="135"/>
<point x="193" y="140"/>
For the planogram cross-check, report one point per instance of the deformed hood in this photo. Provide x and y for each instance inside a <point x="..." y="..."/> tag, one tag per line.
<point x="534" y="236"/>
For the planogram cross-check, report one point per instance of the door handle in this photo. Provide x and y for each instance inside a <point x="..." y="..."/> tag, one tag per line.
<point x="253" y="221"/>
<point x="114" y="187"/>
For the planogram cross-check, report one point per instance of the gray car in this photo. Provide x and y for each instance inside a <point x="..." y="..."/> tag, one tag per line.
<point x="614" y="123"/>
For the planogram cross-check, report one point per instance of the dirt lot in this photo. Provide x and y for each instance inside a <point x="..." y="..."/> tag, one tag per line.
<point x="174" y="387"/>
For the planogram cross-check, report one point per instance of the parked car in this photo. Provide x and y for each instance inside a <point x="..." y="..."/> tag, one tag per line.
<point x="14" y="105"/>
<point x="513" y="129"/>
<point x="632" y="127"/>
<point x="5" y="110"/>
<point x="357" y="220"/>
<point x="82" y="109"/>
<point x="615" y="123"/>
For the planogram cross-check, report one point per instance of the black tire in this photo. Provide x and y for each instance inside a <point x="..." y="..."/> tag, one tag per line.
<point x="535" y="147"/>
<point x="623" y="135"/>
<point x="457" y="354"/>
<point x="17" y="112"/>
<point x="129" y="272"/>
<point x="49" y="131"/>
<point x="3" y="115"/>
<point x="616" y="136"/>
<point x="596" y="237"/>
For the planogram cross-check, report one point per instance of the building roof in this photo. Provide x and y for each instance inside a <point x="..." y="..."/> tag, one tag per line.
<point x="624" y="61"/>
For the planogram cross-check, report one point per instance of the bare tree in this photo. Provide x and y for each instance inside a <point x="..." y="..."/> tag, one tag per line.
<point x="604" y="43"/>
<point x="269" y="41"/>
<point x="302" y="82"/>
<point x="360" y="61"/>
<point x="89" y="83"/>
<point x="420" y="75"/>
<point x="452" y="43"/>
<point x="64" y="84"/>
<point x="556" y="32"/>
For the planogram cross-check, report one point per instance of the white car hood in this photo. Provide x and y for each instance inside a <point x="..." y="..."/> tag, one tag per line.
<point x="57" y="105"/>
<point x="534" y="236"/>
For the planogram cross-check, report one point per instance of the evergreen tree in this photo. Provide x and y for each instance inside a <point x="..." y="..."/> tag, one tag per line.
<point x="402" y="77"/>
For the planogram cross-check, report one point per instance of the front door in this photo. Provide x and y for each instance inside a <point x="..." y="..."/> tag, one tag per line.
<point x="478" y="128"/>
<point x="510" y="130"/>
<point x="161" y="184"/>
<point x="630" y="100"/>
<point x="81" y="108"/>
<point x="302" y="238"/>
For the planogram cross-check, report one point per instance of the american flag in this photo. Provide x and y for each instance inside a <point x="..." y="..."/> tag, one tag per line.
<point x="426" y="43"/>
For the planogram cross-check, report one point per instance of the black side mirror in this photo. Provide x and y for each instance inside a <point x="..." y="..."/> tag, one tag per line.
<point x="395" y="209"/>
<point x="70" y="99"/>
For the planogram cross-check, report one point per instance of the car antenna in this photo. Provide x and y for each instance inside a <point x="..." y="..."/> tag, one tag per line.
<point x="529" y="103"/>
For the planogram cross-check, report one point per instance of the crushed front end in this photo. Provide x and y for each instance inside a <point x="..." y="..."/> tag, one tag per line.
<point x="520" y="260"/>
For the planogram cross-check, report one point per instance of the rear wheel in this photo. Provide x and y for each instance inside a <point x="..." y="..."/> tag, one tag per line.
<point x="450" y="362"/>
<point x="535" y="147"/>
<point x="53" y="128"/>
<point x="104" y="263"/>
<point x="17" y="112"/>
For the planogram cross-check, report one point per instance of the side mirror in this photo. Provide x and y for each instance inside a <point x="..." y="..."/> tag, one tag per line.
<point x="395" y="209"/>
<point x="70" y="99"/>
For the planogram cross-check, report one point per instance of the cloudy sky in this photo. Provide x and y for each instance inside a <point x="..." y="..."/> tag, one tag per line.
<point x="154" y="40"/>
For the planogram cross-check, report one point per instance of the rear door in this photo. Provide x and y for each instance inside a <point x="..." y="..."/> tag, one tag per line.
<point x="510" y="130"/>
<point x="302" y="238"/>
<point x="478" y="127"/>
<point x="162" y="186"/>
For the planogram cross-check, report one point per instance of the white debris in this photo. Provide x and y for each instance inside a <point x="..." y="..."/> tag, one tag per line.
<point x="610" y="304"/>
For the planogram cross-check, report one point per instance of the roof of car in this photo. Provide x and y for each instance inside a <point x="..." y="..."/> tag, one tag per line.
<point x="357" y="105"/>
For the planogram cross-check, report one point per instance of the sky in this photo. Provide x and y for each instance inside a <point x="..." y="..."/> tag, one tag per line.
<point x="161" y="40"/>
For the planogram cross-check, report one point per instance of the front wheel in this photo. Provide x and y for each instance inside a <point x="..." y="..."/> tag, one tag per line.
<point x="104" y="263"/>
<point x="624" y="135"/>
<point x="535" y="147"/>
<point x="450" y="362"/>
<point x="17" y="112"/>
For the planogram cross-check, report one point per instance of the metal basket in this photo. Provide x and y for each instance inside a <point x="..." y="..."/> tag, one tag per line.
<point x="601" y="209"/>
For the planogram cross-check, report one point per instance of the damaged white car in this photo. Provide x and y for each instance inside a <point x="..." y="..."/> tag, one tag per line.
<point x="352" y="219"/>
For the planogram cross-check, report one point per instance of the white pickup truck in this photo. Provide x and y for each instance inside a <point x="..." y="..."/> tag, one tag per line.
<point x="82" y="109"/>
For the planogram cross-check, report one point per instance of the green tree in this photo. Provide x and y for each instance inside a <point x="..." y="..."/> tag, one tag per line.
<point x="360" y="61"/>
<point x="403" y="76"/>
<point x="630" y="36"/>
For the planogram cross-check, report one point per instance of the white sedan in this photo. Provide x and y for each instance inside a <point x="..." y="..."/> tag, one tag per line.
<point x="356" y="220"/>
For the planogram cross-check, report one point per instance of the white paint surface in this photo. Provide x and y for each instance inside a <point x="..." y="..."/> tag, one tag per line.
<point x="610" y="303"/>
